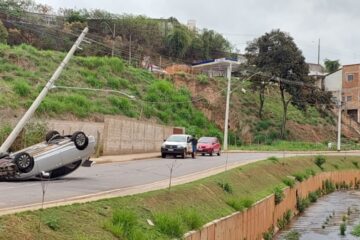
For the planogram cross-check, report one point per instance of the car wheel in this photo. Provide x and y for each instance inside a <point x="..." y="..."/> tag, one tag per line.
<point x="80" y="140"/>
<point x="183" y="154"/>
<point x="219" y="152"/>
<point x="52" y="135"/>
<point x="202" y="154"/>
<point x="211" y="153"/>
<point x="163" y="155"/>
<point x="24" y="162"/>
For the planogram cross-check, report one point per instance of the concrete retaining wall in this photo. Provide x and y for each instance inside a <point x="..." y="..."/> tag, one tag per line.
<point x="125" y="136"/>
<point x="120" y="135"/>
<point x="253" y="222"/>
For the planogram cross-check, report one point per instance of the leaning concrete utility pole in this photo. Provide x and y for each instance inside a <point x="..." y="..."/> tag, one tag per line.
<point x="21" y="124"/>
<point x="226" y="125"/>
<point x="339" y="124"/>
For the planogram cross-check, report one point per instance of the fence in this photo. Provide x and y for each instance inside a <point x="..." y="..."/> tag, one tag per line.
<point x="253" y="222"/>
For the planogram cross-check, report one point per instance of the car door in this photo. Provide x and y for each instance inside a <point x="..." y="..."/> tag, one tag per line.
<point x="217" y="145"/>
<point x="189" y="144"/>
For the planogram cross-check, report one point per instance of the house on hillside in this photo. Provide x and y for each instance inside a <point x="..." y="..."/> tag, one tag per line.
<point x="345" y="82"/>
<point x="318" y="73"/>
<point x="333" y="83"/>
<point x="351" y="90"/>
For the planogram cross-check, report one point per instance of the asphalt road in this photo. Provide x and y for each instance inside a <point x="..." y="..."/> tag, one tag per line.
<point x="111" y="176"/>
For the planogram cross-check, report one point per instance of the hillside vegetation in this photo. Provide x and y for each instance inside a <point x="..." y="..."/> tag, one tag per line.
<point x="25" y="70"/>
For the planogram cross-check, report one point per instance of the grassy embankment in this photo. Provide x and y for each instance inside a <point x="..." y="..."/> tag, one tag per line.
<point x="25" y="70"/>
<point x="185" y="207"/>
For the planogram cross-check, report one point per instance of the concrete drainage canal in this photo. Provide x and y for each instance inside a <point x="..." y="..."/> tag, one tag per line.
<point x="335" y="216"/>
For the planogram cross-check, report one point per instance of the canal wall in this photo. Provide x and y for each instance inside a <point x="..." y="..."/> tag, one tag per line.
<point x="251" y="223"/>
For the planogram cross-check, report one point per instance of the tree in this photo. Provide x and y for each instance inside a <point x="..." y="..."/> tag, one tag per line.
<point x="276" y="55"/>
<point x="178" y="42"/>
<point x="331" y="65"/>
<point x="3" y="33"/>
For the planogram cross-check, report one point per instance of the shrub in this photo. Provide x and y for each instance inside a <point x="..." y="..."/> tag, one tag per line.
<point x="279" y="195"/>
<point x="3" y="33"/>
<point x="300" y="176"/>
<point x="124" y="225"/>
<point x="22" y="88"/>
<point x="239" y="204"/>
<point x="170" y="225"/>
<point x="302" y="204"/>
<point x="285" y="220"/>
<point x="356" y="231"/>
<point x="273" y="159"/>
<point x="293" y="235"/>
<point x="328" y="186"/>
<point x="269" y="234"/>
<point x="191" y="218"/>
<point x="52" y="222"/>
<point x="342" y="229"/>
<point x="313" y="196"/>
<point x="202" y="79"/>
<point x="319" y="161"/>
<point x="226" y="187"/>
<point x="356" y="164"/>
<point x="289" y="182"/>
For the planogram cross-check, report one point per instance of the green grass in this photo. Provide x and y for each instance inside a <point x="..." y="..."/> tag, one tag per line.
<point x="186" y="207"/>
<point x="280" y="145"/>
<point x="356" y="231"/>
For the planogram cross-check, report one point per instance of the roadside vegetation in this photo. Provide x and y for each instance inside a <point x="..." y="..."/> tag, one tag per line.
<point x="167" y="215"/>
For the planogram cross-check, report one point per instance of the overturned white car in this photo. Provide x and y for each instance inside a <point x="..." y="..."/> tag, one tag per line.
<point x="56" y="157"/>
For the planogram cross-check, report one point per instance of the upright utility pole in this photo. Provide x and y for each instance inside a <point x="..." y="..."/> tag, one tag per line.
<point x="319" y="52"/>
<point x="130" y="51"/>
<point x="18" y="128"/>
<point x="226" y="125"/>
<point x="113" y="41"/>
<point x="339" y="103"/>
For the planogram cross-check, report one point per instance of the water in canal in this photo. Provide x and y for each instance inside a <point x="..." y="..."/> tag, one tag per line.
<point x="321" y="221"/>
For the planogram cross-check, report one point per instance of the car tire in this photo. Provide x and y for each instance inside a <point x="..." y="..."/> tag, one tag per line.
<point x="80" y="140"/>
<point x="184" y="154"/>
<point x="163" y="155"/>
<point x="51" y="135"/>
<point x="211" y="153"/>
<point x="24" y="162"/>
<point x="219" y="152"/>
<point x="202" y="154"/>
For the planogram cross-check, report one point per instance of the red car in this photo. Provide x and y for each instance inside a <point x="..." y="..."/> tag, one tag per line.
<point x="209" y="145"/>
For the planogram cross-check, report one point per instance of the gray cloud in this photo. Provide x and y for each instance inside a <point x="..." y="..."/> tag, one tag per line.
<point x="335" y="22"/>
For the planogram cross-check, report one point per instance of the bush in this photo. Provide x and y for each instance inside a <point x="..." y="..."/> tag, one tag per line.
<point x="289" y="182"/>
<point x="313" y="196"/>
<point x="300" y="176"/>
<point x="191" y="218"/>
<point x="170" y="225"/>
<point x="356" y="164"/>
<point x="285" y="220"/>
<point x="343" y="229"/>
<point x="293" y="235"/>
<point x="124" y="225"/>
<point x="22" y="88"/>
<point x="273" y="159"/>
<point x="319" y="161"/>
<point x="202" y="79"/>
<point x="239" y="204"/>
<point x="279" y="195"/>
<point x="52" y="222"/>
<point x="226" y="187"/>
<point x="302" y="204"/>
<point x="269" y="234"/>
<point x="356" y="231"/>
<point x="3" y="33"/>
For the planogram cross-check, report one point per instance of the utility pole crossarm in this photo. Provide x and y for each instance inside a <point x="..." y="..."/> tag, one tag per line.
<point x="21" y="124"/>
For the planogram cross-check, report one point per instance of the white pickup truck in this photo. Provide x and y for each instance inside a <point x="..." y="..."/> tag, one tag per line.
<point x="177" y="144"/>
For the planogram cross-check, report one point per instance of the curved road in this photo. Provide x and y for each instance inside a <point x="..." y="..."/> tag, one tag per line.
<point x="117" y="179"/>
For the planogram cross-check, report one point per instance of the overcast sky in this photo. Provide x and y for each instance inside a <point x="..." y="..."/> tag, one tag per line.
<point x="335" y="22"/>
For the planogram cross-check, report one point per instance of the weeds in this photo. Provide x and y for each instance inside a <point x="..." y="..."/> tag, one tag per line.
<point x="170" y="225"/>
<point x="22" y="88"/>
<point x="273" y="159"/>
<point x="319" y="161"/>
<point x="293" y="235"/>
<point x="226" y="187"/>
<point x="239" y="204"/>
<point x="279" y="195"/>
<point x="289" y="182"/>
<point x="191" y="218"/>
<point x="52" y="222"/>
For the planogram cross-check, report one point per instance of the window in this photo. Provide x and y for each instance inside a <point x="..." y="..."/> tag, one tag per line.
<point x="350" y="77"/>
<point x="349" y="98"/>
